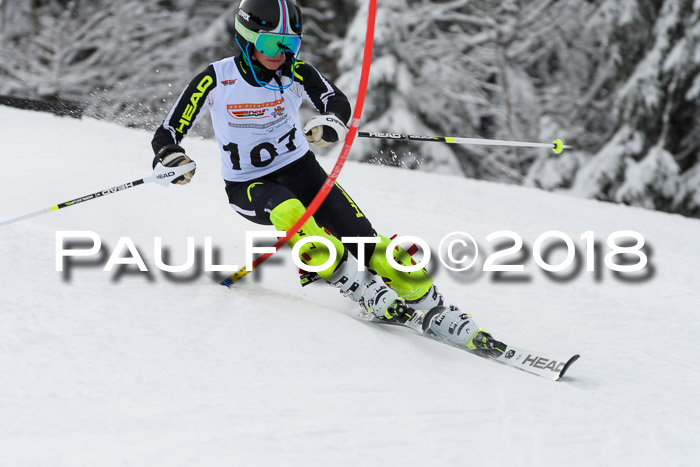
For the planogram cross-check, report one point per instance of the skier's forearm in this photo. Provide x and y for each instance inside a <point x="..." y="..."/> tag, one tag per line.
<point x="340" y="106"/>
<point x="323" y="94"/>
<point x="161" y="139"/>
<point x="186" y="111"/>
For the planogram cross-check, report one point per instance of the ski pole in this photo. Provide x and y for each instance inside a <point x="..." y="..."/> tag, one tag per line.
<point x="161" y="175"/>
<point x="557" y="145"/>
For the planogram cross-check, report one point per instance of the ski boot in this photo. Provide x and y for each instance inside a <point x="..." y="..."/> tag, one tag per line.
<point x="449" y="324"/>
<point x="369" y="291"/>
<point x="428" y="301"/>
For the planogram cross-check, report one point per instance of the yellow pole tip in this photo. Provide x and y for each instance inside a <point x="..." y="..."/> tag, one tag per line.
<point x="239" y="275"/>
<point x="558" y="147"/>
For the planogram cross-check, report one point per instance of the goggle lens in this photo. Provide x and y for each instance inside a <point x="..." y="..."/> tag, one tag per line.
<point x="272" y="44"/>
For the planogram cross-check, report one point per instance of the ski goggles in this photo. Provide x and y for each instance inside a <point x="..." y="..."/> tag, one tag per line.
<point x="269" y="43"/>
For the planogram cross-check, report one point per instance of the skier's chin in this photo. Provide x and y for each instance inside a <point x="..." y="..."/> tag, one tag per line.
<point x="273" y="66"/>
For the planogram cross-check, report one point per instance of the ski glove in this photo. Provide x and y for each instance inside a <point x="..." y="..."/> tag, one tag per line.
<point x="324" y="130"/>
<point x="173" y="156"/>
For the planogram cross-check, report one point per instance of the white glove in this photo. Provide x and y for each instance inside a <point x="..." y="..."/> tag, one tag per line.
<point x="324" y="130"/>
<point x="175" y="156"/>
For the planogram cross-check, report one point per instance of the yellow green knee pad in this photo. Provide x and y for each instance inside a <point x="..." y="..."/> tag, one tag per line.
<point x="285" y="215"/>
<point x="408" y="285"/>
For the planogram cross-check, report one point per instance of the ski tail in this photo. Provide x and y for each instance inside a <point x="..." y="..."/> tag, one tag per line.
<point x="568" y="364"/>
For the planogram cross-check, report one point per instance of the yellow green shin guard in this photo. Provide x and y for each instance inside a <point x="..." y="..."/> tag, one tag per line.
<point x="285" y="215"/>
<point x="408" y="285"/>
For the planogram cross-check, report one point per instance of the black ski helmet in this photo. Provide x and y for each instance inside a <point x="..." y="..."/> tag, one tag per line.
<point x="274" y="16"/>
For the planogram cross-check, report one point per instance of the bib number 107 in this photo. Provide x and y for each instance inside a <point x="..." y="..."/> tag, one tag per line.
<point x="264" y="153"/>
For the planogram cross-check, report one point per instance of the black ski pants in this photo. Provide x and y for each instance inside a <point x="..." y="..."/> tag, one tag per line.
<point x="302" y="179"/>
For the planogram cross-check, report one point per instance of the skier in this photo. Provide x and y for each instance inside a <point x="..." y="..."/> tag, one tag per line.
<point x="271" y="174"/>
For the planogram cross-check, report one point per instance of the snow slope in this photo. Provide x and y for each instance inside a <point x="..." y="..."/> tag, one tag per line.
<point x="140" y="369"/>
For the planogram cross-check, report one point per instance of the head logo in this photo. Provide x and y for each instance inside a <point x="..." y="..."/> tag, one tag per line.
<point x="165" y="175"/>
<point x="189" y="112"/>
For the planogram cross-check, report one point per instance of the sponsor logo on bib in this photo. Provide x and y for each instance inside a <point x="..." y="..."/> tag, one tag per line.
<point x="259" y="110"/>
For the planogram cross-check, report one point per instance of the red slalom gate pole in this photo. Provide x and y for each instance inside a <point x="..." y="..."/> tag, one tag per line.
<point x="349" y="139"/>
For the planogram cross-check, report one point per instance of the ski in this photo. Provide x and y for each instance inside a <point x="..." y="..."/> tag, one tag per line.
<point x="535" y="363"/>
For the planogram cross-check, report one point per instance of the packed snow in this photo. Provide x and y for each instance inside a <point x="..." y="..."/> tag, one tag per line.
<point x="132" y="368"/>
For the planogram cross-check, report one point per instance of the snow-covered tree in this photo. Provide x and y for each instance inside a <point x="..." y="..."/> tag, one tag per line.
<point x="466" y="68"/>
<point x="127" y="60"/>
<point x="638" y="113"/>
<point x="113" y="57"/>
